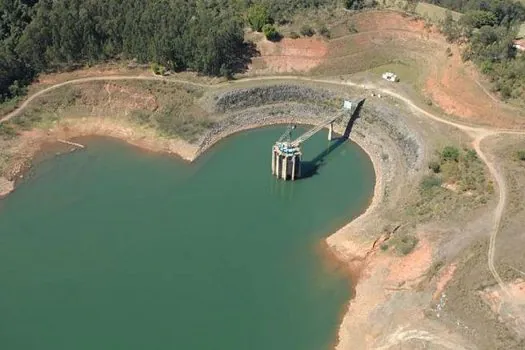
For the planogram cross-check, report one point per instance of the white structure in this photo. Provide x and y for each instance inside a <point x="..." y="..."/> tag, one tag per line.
<point x="519" y="44"/>
<point x="347" y="105"/>
<point x="390" y="76"/>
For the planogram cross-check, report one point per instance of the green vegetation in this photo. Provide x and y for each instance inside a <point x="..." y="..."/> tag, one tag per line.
<point x="352" y="28"/>
<point x="521" y="155"/>
<point x="258" y="17"/>
<point x="7" y="131"/>
<point x="158" y="69"/>
<point x="429" y="182"/>
<point x="434" y="166"/>
<point x="324" y="31"/>
<point x="489" y="28"/>
<point x="307" y="30"/>
<point x="402" y="244"/>
<point x="455" y="183"/>
<point x="270" y="32"/>
<point x="434" y="13"/>
<point x="206" y="36"/>
<point x="173" y="121"/>
<point x="358" y="4"/>
<point x="294" y="35"/>
<point x="450" y="153"/>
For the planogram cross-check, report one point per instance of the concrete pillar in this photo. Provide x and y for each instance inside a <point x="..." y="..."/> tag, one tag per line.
<point x="300" y="166"/>
<point x="330" y="130"/>
<point x="273" y="161"/>
<point x="293" y="168"/>
<point x="278" y="166"/>
<point x="285" y="167"/>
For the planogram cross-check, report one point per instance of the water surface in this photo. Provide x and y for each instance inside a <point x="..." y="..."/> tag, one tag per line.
<point x="115" y="248"/>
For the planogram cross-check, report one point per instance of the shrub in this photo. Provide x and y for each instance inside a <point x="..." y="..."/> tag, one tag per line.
<point x="324" y="31"/>
<point x="141" y="117"/>
<point x="306" y="30"/>
<point x="355" y="4"/>
<point x="434" y="166"/>
<point x="294" y="35"/>
<point x="27" y="120"/>
<point x="406" y="244"/>
<point x="450" y="153"/>
<point x="258" y="16"/>
<point x="7" y="131"/>
<point x="471" y="155"/>
<point x="352" y="28"/>
<point x="449" y="52"/>
<point x="158" y="69"/>
<point x="430" y="182"/>
<point x="270" y="32"/>
<point x="521" y="155"/>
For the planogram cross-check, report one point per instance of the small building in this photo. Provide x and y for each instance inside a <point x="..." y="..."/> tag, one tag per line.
<point x="390" y="76"/>
<point x="347" y="105"/>
<point x="519" y="45"/>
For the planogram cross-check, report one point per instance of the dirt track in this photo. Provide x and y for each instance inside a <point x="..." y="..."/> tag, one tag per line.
<point x="477" y="133"/>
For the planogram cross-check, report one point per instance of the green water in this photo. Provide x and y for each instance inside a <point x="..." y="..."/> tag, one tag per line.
<point x="115" y="248"/>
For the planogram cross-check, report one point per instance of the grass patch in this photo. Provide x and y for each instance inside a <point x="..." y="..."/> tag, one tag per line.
<point x="429" y="182"/>
<point x="7" y="131"/>
<point x="44" y="110"/>
<point x="175" y="121"/>
<point x="9" y="105"/>
<point x="455" y="184"/>
<point x="166" y="107"/>
<point x="434" y="13"/>
<point x="401" y="245"/>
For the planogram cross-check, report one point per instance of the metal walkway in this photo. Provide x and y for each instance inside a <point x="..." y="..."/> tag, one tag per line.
<point x="315" y="129"/>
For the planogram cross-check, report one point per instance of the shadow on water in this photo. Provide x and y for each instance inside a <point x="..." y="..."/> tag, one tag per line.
<point x="311" y="168"/>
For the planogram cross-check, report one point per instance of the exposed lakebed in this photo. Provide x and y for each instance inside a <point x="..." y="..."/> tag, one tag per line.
<point x="115" y="248"/>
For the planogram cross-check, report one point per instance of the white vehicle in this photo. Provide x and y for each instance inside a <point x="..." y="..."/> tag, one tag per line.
<point x="390" y="76"/>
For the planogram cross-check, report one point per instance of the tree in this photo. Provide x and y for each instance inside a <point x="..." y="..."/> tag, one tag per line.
<point x="270" y="32"/>
<point x="258" y="16"/>
<point x="450" y="153"/>
<point x="479" y="18"/>
<point x="354" y="4"/>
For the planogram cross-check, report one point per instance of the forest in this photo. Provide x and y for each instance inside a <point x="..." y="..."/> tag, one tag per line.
<point x="489" y="28"/>
<point x="206" y="36"/>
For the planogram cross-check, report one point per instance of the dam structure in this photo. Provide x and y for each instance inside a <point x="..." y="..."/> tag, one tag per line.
<point x="286" y="154"/>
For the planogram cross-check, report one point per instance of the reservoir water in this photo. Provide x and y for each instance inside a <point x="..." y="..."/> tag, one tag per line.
<point x="114" y="248"/>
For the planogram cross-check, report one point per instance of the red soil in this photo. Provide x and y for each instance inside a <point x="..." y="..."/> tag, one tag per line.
<point x="292" y="55"/>
<point x="450" y="83"/>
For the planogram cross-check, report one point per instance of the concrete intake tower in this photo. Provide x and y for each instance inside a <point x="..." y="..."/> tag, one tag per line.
<point x="286" y="154"/>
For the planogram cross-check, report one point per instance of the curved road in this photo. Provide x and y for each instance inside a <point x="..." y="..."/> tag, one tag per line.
<point x="478" y="133"/>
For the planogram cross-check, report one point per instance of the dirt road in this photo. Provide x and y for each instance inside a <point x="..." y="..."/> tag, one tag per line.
<point x="477" y="133"/>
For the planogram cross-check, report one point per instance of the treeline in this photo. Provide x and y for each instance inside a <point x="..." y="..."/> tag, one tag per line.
<point x="201" y="35"/>
<point x="489" y="27"/>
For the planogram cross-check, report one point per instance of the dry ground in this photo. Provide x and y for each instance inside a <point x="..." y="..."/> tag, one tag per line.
<point x="386" y="37"/>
